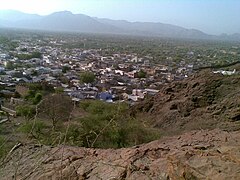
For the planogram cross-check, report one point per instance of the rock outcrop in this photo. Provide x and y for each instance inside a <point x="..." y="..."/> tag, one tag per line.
<point x="203" y="101"/>
<point x="202" y="154"/>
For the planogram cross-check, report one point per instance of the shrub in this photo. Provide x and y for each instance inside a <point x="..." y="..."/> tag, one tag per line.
<point x="35" y="128"/>
<point x="27" y="111"/>
<point x="3" y="149"/>
<point x="74" y="135"/>
<point x="59" y="90"/>
<point x="110" y="126"/>
<point x="37" y="98"/>
<point x="104" y="125"/>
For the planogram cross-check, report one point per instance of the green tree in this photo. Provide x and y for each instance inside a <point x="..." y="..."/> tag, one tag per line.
<point x="87" y="77"/>
<point x="9" y="65"/>
<point x="65" y="69"/>
<point x="36" y="55"/>
<point x="34" y="73"/>
<point x="141" y="74"/>
<point x="29" y="56"/>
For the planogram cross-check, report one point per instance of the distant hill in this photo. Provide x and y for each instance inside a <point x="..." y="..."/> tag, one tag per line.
<point x="59" y="21"/>
<point x="235" y="36"/>
<point x="155" y="29"/>
<point x="14" y="16"/>
<point x="67" y="21"/>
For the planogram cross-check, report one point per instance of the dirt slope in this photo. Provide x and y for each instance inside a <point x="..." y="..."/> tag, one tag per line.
<point x="203" y="101"/>
<point x="203" y="154"/>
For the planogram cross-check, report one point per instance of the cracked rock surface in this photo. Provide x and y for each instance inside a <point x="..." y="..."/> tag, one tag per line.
<point x="205" y="154"/>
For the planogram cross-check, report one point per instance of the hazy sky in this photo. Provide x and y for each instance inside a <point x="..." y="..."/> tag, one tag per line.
<point x="210" y="16"/>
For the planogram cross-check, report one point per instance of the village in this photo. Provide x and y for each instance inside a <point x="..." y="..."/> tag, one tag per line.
<point x="124" y="77"/>
<point x="83" y="73"/>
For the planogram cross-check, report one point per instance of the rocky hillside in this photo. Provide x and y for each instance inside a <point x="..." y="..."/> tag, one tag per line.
<point x="203" y="154"/>
<point x="202" y="115"/>
<point x="203" y="101"/>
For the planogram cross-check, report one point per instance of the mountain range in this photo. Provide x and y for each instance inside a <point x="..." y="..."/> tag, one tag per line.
<point x="69" y="22"/>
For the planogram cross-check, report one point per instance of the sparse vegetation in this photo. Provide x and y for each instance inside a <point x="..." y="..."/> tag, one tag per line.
<point x="104" y="125"/>
<point x="109" y="125"/>
<point x="2" y="147"/>
<point x="34" y="128"/>
<point x="26" y="111"/>
<point x="29" y="56"/>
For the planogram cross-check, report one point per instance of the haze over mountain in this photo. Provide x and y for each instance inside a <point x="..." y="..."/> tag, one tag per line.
<point x="67" y="21"/>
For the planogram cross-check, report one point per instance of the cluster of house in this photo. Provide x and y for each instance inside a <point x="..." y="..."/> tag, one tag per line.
<point x="117" y="75"/>
<point x="224" y="72"/>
